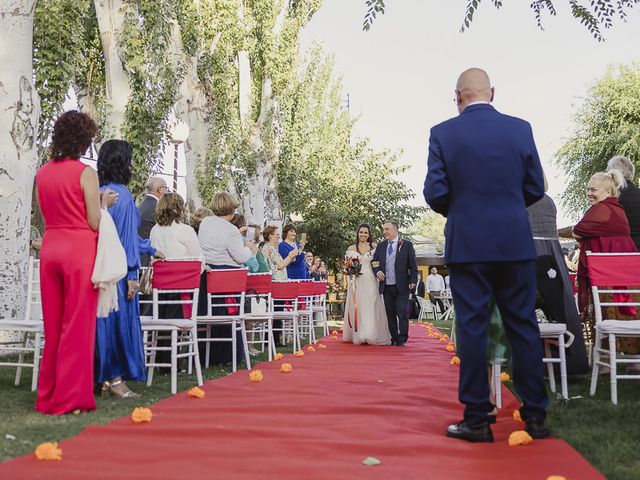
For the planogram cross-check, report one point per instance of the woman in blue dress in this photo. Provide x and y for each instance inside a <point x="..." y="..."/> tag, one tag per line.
<point x="297" y="269"/>
<point x="119" y="347"/>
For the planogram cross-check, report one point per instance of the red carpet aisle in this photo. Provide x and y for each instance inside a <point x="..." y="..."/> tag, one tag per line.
<point x="338" y="406"/>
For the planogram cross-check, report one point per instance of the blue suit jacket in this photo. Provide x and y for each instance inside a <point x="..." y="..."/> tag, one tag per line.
<point x="483" y="172"/>
<point x="406" y="265"/>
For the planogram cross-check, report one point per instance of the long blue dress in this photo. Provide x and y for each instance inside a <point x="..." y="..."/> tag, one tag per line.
<point x="119" y="346"/>
<point x="296" y="270"/>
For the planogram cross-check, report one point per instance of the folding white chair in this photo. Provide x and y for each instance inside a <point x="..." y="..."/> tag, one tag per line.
<point x="306" y="300"/>
<point x="285" y="308"/>
<point x="260" y="316"/>
<point x="225" y="306"/>
<point x="426" y="308"/>
<point x="615" y="276"/>
<point x="554" y="334"/>
<point x="30" y="331"/>
<point x="319" y="307"/>
<point x="173" y="279"/>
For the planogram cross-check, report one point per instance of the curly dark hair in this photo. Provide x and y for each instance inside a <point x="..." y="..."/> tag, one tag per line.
<point x="114" y="162"/>
<point x="170" y="208"/>
<point x="72" y="135"/>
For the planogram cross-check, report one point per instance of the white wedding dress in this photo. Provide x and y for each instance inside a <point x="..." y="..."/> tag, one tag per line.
<point x="365" y="319"/>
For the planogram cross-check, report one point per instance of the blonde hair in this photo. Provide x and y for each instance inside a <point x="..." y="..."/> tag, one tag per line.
<point x="613" y="180"/>
<point x="223" y="204"/>
<point x="199" y="215"/>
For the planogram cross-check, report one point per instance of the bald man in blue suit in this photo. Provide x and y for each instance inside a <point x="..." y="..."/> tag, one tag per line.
<point x="483" y="172"/>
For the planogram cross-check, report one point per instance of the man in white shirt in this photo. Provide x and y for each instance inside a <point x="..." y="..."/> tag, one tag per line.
<point x="435" y="287"/>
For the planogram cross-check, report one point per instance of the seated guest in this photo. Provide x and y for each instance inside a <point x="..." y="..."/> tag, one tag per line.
<point x="241" y="224"/>
<point x="172" y="237"/>
<point x="315" y="272"/>
<point x="324" y="273"/>
<point x="277" y="264"/>
<point x="197" y="217"/>
<point x="223" y="247"/>
<point x="297" y="269"/>
<point x="629" y="195"/>
<point x="263" y="266"/>
<point x="604" y="228"/>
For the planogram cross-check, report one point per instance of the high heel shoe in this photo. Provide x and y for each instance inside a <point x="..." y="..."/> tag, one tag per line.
<point x="107" y="389"/>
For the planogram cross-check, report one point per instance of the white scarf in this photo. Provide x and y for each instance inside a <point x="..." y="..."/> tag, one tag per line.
<point x="110" y="265"/>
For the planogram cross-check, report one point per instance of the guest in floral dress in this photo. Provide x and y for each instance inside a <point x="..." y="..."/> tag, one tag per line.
<point x="272" y="255"/>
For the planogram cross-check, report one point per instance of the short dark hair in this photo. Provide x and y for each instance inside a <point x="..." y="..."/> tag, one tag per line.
<point x="114" y="162"/>
<point x="170" y="208"/>
<point x="72" y="135"/>
<point x="287" y="229"/>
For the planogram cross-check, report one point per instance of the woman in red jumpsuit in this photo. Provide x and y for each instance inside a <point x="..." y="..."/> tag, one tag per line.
<point x="69" y="198"/>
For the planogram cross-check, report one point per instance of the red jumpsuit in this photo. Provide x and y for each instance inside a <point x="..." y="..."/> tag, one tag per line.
<point x="69" y="300"/>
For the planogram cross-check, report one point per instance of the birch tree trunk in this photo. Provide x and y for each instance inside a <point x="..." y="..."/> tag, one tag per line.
<point x="19" y="110"/>
<point x="192" y="108"/>
<point x="110" y="15"/>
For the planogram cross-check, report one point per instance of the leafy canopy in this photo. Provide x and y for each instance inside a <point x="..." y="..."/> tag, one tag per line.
<point x="598" y="15"/>
<point x="607" y="123"/>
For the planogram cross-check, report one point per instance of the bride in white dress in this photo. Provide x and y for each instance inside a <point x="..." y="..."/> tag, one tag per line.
<point x="365" y="319"/>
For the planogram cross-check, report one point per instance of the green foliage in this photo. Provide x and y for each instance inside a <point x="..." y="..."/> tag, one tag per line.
<point x="334" y="184"/>
<point x="145" y="40"/>
<point x="606" y="124"/>
<point x="598" y="15"/>
<point x="58" y="47"/>
<point x="430" y="225"/>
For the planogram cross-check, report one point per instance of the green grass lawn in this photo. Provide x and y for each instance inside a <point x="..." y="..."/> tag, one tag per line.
<point x="607" y="436"/>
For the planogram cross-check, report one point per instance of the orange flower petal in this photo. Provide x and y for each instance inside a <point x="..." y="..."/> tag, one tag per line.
<point x="519" y="437"/>
<point x="286" y="368"/>
<point x="255" y="376"/>
<point x="556" y="477"/>
<point x="334" y="337"/>
<point x="455" y="361"/>
<point x="504" y="377"/>
<point x="451" y="347"/>
<point x="299" y="353"/>
<point x="310" y="349"/>
<point x="141" y="414"/>
<point x="48" y="451"/>
<point x="334" y="332"/>
<point x="516" y="416"/>
<point x="443" y="339"/>
<point x="196" y="392"/>
<point x="278" y="356"/>
<point x="322" y="345"/>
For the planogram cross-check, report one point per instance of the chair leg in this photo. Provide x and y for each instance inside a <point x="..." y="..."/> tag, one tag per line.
<point x="174" y="361"/>
<point x="234" y="347"/>
<point x="207" y="348"/>
<point x="550" y="369"/>
<point x="497" y="384"/>
<point x="613" y="366"/>
<point x="196" y="355"/>
<point x="270" y="340"/>
<point x="296" y="338"/>
<point x="36" y="361"/>
<point x="25" y="338"/>
<point x="154" y="344"/>
<point x="595" y="368"/>
<point x="563" y="368"/>
<point x="245" y="340"/>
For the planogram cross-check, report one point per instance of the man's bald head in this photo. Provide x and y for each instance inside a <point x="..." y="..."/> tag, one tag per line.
<point x="473" y="86"/>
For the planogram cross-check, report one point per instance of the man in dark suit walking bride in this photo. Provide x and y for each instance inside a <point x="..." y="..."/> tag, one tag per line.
<point x="395" y="266"/>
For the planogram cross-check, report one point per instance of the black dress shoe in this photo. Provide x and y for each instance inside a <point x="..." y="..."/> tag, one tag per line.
<point x="470" y="434"/>
<point x="401" y="344"/>
<point x="393" y="342"/>
<point x="536" y="429"/>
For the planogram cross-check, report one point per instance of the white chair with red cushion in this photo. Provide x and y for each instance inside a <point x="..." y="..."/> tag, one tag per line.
<point x="613" y="277"/>
<point x="25" y="336"/>
<point x="172" y="278"/>
<point x="225" y="306"/>
<point x="320" y="307"/>
<point x="306" y="300"/>
<point x="284" y="302"/>
<point x="260" y="316"/>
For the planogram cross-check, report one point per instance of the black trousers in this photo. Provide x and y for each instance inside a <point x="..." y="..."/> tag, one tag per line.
<point x="397" y="308"/>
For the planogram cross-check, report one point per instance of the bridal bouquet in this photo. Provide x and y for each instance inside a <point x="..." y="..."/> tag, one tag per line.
<point x="352" y="265"/>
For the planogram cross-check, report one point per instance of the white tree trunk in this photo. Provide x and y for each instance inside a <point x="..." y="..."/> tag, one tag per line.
<point x="193" y="109"/>
<point x="110" y="15"/>
<point x="19" y="110"/>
